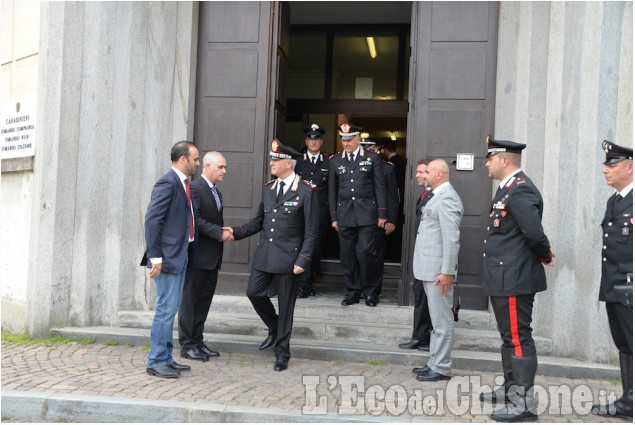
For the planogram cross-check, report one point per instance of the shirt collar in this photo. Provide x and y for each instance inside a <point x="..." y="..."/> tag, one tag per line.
<point x="626" y="190"/>
<point x="209" y="183"/>
<point x="288" y="181"/>
<point x="507" y="179"/>
<point x="440" y="188"/>
<point x="182" y="177"/>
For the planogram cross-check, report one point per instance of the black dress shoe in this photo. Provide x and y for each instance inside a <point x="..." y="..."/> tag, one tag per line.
<point x="195" y="354"/>
<point x="371" y="301"/>
<point x="280" y="365"/>
<point x="432" y="376"/>
<point x="350" y="301"/>
<point x="421" y="370"/>
<point x="179" y="367"/>
<point x="208" y="351"/>
<point x="163" y="371"/>
<point x="269" y="341"/>
<point x="410" y="345"/>
<point x="424" y="347"/>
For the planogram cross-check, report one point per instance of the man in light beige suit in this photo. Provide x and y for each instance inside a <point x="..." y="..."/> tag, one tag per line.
<point x="435" y="263"/>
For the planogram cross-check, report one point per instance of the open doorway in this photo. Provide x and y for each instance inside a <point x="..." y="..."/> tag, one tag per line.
<point x="347" y="61"/>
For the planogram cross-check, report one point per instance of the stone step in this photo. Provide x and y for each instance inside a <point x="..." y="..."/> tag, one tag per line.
<point x="326" y="321"/>
<point x="477" y="361"/>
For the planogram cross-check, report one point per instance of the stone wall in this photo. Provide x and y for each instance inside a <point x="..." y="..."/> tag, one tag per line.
<point x="564" y="84"/>
<point x="116" y="84"/>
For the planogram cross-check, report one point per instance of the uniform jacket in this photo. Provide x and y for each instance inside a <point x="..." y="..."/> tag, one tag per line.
<point x="392" y="192"/>
<point x="357" y="194"/>
<point x="209" y="254"/>
<point x="617" y="246"/>
<point x="167" y="224"/>
<point x="516" y="241"/>
<point x="437" y="243"/>
<point x="318" y="175"/>
<point x="289" y="228"/>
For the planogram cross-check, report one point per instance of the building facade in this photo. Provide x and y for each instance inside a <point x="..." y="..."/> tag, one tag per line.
<point x="118" y="83"/>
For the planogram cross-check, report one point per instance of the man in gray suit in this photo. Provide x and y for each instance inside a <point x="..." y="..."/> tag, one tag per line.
<point x="435" y="264"/>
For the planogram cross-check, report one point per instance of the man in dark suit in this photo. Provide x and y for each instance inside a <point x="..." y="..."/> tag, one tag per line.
<point x="169" y="232"/>
<point x="288" y="217"/>
<point x="357" y="200"/>
<point x="617" y="265"/>
<point x="393" y="242"/>
<point x="392" y="201"/>
<point x="200" y="280"/>
<point x="422" y="324"/>
<point x="516" y="249"/>
<point x="313" y="167"/>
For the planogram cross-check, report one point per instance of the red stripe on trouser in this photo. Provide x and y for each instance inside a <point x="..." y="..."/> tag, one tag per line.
<point x="513" y="324"/>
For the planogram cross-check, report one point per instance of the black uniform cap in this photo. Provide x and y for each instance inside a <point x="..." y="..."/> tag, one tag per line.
<point x="280" y="151"/>
<point x="313" y="131"/>
<point x="348" y="131"/>
<point x="497" y="146"/>
<point x="616" y="153"/>
<point x="370" y="141"/>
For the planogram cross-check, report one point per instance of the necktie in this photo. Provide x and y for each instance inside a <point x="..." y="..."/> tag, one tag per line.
<point x="429" y="195"/>
<point x="280" y="191"/>
<point x="189" y="202"/>
<point x="216" y="197"/>
<point x="313" y="160"/>
<point x="350" y="157"/>
<point x="423" y="195"/>
<point x="615" y="204"/>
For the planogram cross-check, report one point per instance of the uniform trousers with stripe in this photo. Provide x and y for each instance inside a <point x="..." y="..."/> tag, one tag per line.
<point x="280" y="324"/>
<point x="513" y="318"/>
<point x="358" y="259"/>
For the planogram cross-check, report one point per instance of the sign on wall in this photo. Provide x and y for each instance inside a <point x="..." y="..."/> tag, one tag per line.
<point x="17" y="127"/>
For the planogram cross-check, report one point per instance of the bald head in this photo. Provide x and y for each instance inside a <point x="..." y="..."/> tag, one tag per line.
<point x="437" y="173"/>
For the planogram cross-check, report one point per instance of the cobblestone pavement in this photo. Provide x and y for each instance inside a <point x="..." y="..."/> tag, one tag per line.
<point x="248" y="381"/>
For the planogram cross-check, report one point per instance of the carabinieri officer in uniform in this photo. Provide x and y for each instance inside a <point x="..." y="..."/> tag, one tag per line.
<point x="617" y="264"/>
<point x="313" y="166"/>
<point x="357" y="200"/>
<point x="515" y="250"/>
<point x="288" y="218"/>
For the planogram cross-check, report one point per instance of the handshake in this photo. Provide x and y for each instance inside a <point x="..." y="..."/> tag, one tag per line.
<point x="228" y="234"/>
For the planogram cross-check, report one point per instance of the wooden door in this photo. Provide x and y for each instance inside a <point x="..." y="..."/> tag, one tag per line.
<point x="233" y="114"/>
<point x="452" y="96"/>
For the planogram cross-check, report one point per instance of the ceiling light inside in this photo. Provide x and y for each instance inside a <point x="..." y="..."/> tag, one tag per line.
<point x="393" y="136"/>
<point x="371" y="47"/>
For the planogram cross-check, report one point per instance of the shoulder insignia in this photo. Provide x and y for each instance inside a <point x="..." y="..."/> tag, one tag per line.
<point x="387" y="162"/>
<point x="268" y="183"/>
<point x="311" y="185"/>
<point x="334" y="155"/>
<point x="520" y="180"/>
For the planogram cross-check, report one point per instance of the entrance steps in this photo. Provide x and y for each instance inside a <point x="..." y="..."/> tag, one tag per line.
<point x="325" y="330"/>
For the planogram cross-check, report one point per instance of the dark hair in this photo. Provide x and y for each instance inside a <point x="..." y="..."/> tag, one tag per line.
<point x="180" y="149"/>
<point x="425" y="160"/>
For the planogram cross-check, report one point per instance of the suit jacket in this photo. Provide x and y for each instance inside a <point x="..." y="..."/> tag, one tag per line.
<point x="209" y="252"/>
<point x="516" y="241"/>
<point x="167" y="224"/>
<point x="420" y="203"/>
<point x="289" y="228"/>
<point x="617" y="246"/>
<point x="357" y="191"/>
<point x="438" y="237"/>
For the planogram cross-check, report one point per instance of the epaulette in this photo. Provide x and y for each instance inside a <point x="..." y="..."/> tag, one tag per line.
<point x="268" y="183"/>
<point x="334" y="155"/>
<point x="520" y="180"/>
<point x="387" y="162"/>
<point x="311" y="185"/>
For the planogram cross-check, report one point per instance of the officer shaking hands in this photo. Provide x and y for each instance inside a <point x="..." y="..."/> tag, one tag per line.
<point x="616" y="287"/>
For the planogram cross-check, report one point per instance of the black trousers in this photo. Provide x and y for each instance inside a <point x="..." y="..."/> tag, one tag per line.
<point x="280" y="324"/>
<point x="308" y="277"/>
<point x="422" y="324"/>
<point x="379" y="254"/>
<point x="513" y="318"/>
<point x="621" y="324"/>
<point x="198" y="290"/>
<point x="357" y="257"/>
